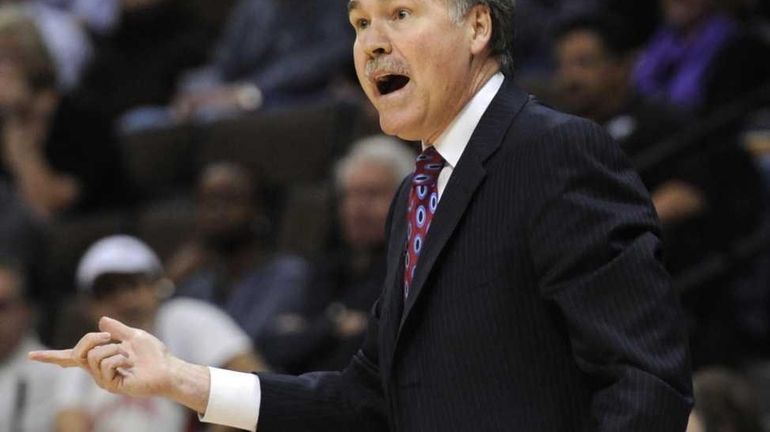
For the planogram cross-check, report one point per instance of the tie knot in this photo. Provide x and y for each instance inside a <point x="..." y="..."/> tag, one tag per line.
<point x="428" y="166"/>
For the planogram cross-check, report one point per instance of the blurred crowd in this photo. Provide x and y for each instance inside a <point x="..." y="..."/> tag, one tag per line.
<point x="210" y="172"/>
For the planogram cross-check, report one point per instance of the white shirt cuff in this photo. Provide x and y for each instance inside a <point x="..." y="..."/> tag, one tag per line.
<point x="234" y="399"/>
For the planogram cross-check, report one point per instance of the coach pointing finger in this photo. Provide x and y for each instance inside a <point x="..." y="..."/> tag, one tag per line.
<point x="132" y="362"/>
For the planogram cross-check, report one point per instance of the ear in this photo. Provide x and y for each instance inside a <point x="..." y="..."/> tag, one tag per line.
<point x="480" y="28"/>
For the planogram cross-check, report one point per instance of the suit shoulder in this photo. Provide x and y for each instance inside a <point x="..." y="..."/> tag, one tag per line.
<point x="546" y="121"/>
<point x="543" y="130"/>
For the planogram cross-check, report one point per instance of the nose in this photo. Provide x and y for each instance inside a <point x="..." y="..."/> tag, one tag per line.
<point x="375" y="41"/>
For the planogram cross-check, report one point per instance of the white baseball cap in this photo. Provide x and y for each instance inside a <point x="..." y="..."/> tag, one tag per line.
<point x="116" y="254"/>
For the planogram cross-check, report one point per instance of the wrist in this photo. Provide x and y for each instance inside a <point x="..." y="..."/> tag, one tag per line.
<point x="188" y="384"/>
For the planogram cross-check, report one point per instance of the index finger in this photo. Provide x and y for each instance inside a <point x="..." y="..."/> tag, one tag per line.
<point x="63" y="358"/>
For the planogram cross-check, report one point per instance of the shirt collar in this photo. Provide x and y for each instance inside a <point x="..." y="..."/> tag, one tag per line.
<point x="451" y="144"/>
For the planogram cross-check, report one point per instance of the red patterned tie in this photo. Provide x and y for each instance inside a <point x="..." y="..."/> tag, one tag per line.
<point x="423" y="201"/>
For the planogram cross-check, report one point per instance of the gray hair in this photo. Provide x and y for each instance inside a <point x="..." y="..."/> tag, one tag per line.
<point x="381" y="149"/>
<point x="503" y="26"/>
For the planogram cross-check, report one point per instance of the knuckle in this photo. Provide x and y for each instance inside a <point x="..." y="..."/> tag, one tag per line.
<point x="92" y="356"/>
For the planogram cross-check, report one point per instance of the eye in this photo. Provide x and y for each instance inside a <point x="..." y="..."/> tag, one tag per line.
<point x="361" y="23"/>
<point x="402" y="14"/>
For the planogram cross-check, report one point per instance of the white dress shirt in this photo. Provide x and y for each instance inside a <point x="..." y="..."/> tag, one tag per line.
<point x="235" y="397"/>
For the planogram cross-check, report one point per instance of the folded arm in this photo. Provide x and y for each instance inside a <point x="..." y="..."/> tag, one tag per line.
<point x="595" y="246"/>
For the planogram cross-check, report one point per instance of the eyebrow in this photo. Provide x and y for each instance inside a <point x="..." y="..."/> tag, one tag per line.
<point x="355" y="4"/>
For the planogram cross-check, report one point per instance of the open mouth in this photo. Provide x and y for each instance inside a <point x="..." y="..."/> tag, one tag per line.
<point x="388" y="84"/>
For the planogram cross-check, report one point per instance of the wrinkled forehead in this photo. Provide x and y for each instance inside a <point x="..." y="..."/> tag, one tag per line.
<point x="354" y="5"/>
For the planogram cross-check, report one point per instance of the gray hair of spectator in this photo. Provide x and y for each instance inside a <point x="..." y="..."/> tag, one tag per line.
<point x="503" y="27"/>
<point x="381" y="149"/>
<point x="14" y="268"/>
<point x="17" y="25"/>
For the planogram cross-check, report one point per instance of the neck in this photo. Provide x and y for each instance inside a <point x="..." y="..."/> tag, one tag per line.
<point x="485" y="71"/>
<point x="615" y="104"/>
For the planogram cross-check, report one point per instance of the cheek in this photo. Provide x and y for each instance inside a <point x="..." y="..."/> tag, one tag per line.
<point x="359" y="62"/>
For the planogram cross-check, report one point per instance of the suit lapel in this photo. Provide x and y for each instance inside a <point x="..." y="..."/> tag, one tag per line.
<point x="467" y="176"/>
<point x="393" y="292"/>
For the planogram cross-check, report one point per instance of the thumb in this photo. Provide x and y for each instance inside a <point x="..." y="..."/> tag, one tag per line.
<point x="116" y="329"/>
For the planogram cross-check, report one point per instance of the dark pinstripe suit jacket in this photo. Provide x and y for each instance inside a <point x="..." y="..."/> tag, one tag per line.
<point x="540" y="303"/>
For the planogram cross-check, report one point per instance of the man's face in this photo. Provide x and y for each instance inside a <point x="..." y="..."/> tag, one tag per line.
<point x="132" y="299"/>
<point x="587" y="75"/>
<point x="14" y="314"/>
<point x="226" y="209"/>
<point x="366" y="194"/>
<point x="413" y="62"/>
<point x="685" y="13"/>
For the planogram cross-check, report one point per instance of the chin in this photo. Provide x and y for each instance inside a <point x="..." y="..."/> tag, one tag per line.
<point x="397" y="128"/>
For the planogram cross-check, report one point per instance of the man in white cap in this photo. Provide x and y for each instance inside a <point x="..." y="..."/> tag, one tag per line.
<point x="122" y="277"/>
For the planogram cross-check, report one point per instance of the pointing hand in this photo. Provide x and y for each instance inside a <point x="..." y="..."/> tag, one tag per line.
<point x="120" y="359"/>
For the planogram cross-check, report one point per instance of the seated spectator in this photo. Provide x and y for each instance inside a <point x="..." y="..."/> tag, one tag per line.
<point x="700" y="58"/>
<point x="724" y="402"/>
<point x="532" y="44"/>
<point x="272" y="53"/>
<point x="708" y="197"/>
<point x="26" y="401"/>
<point x="595" y="57"/>
<point x="123" y="278"/>
<point x="229" y="263"/>
<point x="532" y="16"/>
<point x="139" y="61"/>
<point x="59" y="157"/>
<point x="348" y="280"/>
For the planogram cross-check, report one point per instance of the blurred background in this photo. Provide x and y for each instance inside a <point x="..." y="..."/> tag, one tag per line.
<point x="229" y="146"/>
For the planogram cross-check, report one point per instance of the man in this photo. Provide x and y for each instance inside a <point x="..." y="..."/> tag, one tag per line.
<point x="700" y="58"/>
<point x="229" y="263"/>
<point x="366" y="180"/>
<point x="535" y="303"/>
<point x="272" y="53"/>
<point x="691" y="192"/>
<point x="595" y="58"/>
<point x="26" y="403"/>
<point x="347" y="279"/>
<point x="122" y="277"/>
<point x="139" y="59"/>
<point x="60" y="157"/>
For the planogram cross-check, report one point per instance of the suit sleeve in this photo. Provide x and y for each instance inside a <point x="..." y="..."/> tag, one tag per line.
<point x="351" y="400"/>
<point x="594" y="241"/>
